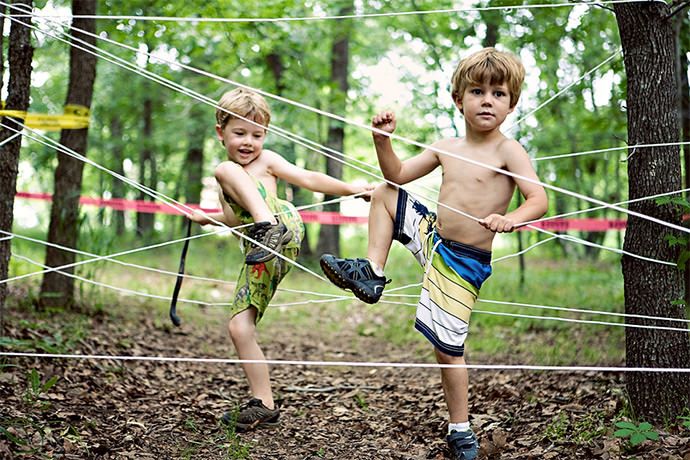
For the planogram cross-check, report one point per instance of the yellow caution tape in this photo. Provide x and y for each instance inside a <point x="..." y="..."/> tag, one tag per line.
<point x="74" y="117"/>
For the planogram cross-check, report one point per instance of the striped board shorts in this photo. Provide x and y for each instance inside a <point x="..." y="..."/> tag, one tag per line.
<point x="454" y="273"/>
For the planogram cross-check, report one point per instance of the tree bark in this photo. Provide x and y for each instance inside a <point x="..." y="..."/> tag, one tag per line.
<point x="118" y="187"/>
<point x="145" y="221"/>
<point x="57" y="289"/>
<point x="684" y="88"/>
<point x="20" y="56"/>
<point x="650" y="288"/>
<point x="329" y="235"/>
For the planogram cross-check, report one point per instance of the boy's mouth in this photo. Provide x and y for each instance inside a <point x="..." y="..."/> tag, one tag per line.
<point x="485" y="114"/>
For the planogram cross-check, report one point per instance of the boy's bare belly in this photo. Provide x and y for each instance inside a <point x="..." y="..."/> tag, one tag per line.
<point x="453" y="226"/>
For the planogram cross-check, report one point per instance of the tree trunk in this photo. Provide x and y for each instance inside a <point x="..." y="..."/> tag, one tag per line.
<point x="56" y="288"/>
<point x="329" y="236"/>
<point x="145" y="220"/>
<point x="650" y="288"/>
<point x="20" y="55"/>
<point x="684" y="88"/>
<point x="194" y="161"/>
<point x="118" y="187"/>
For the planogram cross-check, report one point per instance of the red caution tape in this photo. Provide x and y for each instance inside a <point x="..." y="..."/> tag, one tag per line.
<point x="324" y="217"/>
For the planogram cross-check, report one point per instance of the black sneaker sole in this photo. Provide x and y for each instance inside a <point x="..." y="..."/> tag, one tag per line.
<point x="244" y="427"/>
<point x="269" y="255"/>
<point x="333" y="274"/>
<point x="226" y="419"/>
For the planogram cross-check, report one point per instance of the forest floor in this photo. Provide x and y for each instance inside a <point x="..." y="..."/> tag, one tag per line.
<point x="110" y="409"/>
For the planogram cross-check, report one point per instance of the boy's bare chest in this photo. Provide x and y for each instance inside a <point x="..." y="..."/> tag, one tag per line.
<point x="476" y="172"/>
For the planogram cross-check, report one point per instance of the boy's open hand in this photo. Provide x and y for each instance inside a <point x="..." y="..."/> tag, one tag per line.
<point x="198" y="217"/>
<point x="497" y="223"/>
<point x="385" y="121"/>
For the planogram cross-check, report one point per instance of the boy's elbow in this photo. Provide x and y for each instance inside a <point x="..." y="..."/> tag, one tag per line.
<point x="544" y="205"/>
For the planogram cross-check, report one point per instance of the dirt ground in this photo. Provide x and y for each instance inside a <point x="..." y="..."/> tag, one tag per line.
<point x="108" y="409"/>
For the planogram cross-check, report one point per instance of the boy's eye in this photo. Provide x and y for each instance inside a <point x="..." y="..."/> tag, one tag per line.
<point x="476" y="91"/>
<point x="238" y="133"/>
<point x="499" y="93"/>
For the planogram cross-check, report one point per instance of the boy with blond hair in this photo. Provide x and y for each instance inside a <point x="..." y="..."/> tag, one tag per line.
<point x="248" y="186"/>
<point x="454" y="248"/>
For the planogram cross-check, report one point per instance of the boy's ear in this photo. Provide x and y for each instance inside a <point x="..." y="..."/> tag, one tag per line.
<point x="458" y="104"/>
<point x="219" y="133"/>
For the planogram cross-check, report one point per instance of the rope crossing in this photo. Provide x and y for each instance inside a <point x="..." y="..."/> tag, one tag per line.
<point x="341" y="157"/>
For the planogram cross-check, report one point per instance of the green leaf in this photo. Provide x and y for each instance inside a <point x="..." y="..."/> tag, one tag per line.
<point x="653" y="435"/>
<point x="637" y="438"/>
<point x="645" y="426"/>
<point x="624" y="424"/>
<point x="624" y="433"/>
<point x="52" y="381"/>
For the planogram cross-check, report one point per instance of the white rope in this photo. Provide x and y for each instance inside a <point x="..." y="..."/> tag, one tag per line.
<point x="116" y="288"/>
<point x="330" y="297"/>
<point x="597" y="208"/>
<point x="395" y="136"/>
<point x="566" y="320"/>
<point x="527" y="249"/>
<point x="523" y="118"/>
<point x="610" y="149"/>
<point x="285" y="362"/>
<point x="154" y="194"/>
<point x="9" y="139"/>
<point x="324" y="17"/>
<point x="287" y="135"/>
<point x="340" y="298"/>
<point x="109" y="258"/>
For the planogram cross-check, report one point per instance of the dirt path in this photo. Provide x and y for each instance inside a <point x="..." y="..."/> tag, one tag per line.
<point x="140" y="409"/>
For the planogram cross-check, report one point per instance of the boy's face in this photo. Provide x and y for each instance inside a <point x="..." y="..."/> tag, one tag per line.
<point x="243" y="140"/>
<point x="485" y="106"/>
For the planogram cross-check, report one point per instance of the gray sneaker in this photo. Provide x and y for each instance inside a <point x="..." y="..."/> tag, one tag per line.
<point x="357" y="275"/>
<point x="273" y="236"/>
<point x="463" y="445"/>
<point x="253" y="414"/>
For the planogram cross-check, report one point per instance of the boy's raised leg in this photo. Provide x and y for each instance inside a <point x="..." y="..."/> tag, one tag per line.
<point x="267" y="230"/>
<point x="364" y="277"/>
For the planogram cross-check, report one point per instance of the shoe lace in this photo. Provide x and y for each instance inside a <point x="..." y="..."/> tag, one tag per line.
<point x="256" y="233"/>
<point x="465" y="443"/>
<point x="357" y="269"/>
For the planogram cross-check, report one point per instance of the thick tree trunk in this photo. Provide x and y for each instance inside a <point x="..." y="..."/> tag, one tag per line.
<point x="20" y="55"/>
<point x="56" y="288"/>
<point x="329" y="236"/>
<point x="650" y="288"/>
<point x="684" y="88"/>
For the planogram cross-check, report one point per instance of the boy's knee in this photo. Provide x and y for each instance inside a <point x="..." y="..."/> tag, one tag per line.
<point x="384" y="192"/>
<point x="240" y="330"/>
<point x="444" y="358"/>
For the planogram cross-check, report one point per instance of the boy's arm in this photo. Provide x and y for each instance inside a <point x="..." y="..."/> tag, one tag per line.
<point x="394" y="170"/>
<point x="206" y="218"/>
<point x="313" y="180"/>
<point x="536" y="202"/>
